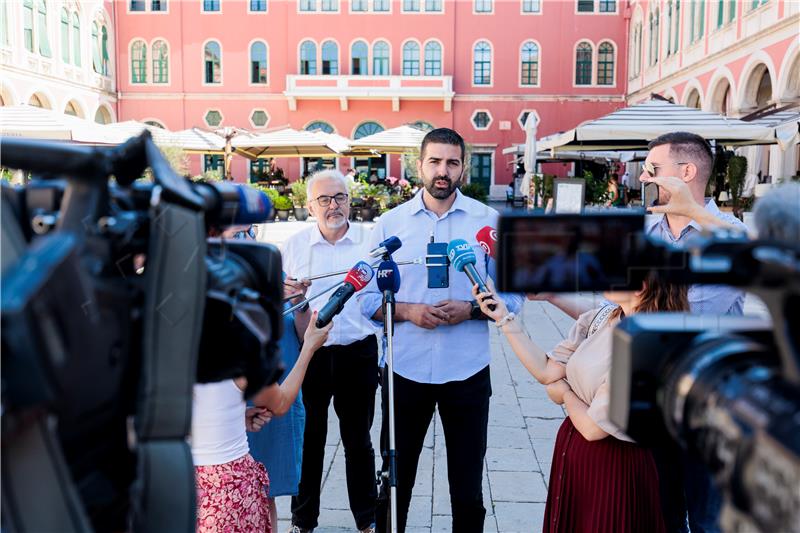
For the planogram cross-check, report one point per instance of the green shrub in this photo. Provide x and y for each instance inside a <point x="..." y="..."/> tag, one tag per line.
<point x="283" y="203"/>
<point x="299" y="193"/>
<point x="474" y="191"/>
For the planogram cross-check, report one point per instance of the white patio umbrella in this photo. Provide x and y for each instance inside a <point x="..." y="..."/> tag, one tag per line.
<point x="623" y="156"/>
<point x="529" y="158"/>
<point x="37" y="123"/>
<point x="633" y="127"/>
<point x="397" y="140"/>
<point x="786" y="125"/>
<point x="286" y="142"/>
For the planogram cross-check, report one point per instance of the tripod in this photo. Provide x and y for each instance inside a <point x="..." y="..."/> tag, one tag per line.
<point x="389" y="284"/>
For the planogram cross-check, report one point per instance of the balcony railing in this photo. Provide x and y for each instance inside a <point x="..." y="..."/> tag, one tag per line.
<point x="394" y="88"/>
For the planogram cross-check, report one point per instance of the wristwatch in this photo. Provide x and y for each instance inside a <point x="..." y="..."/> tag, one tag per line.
<point x="475" y="312"/>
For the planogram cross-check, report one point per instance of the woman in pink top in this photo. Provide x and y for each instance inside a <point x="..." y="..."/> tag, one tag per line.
<point x="600" y="481"/>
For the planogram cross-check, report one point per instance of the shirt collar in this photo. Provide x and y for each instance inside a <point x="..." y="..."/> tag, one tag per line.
<point x="709" y="206"/>
<point x="317" y="237"/>
<point x="460" y="204"/>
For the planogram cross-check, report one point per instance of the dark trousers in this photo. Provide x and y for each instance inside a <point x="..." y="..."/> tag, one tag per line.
<point x="464" y="410"/>
<point x="687" y="492"/>
<point x="349" y="375"/>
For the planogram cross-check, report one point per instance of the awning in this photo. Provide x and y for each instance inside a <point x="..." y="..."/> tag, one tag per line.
<point x="397" y="140"/>
<point x="37" y="123"/>
<point x="286" y="142"/>
<point x="634" y="127"/>
<point x="786" y="125"/>
<point x="623" y="156"/>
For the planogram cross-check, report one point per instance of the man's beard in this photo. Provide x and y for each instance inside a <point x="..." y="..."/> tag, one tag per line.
<point x="441" y="194"/>
<point x="335" y="223"/>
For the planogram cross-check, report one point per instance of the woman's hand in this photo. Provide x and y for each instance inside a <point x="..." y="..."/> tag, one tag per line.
<point x="256" y="418"/>
<point x="315" y="337"/>
<point x="485" y="299"/>
<point x="557" y="390"/>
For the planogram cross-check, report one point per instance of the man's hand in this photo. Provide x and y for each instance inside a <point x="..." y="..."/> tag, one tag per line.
<point x="681" y="202"/>
<point x="297" y="288"/>
<point x="557" y="390"/>
<point x="426" y="316"/>
<point x="256" y="418"/>
<point x="457" y="310"/>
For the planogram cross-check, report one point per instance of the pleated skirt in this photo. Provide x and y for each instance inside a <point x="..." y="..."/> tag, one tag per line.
<point x="604" y="486"/>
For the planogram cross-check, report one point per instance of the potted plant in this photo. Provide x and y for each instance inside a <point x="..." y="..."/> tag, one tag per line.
<point x="371" y="194"/>
<point x="474" y="191"/>
<point x="283" y="206"/>
<point x="299" y="199"/>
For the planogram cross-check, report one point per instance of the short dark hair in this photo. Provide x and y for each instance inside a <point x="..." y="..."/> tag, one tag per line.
<point x="689" y="147"/>
<point x="443" y="136"/>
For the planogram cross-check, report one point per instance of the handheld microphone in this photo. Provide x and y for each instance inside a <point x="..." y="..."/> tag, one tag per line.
<point x="388" y="277"/>
<point x="356" y="279"/>
<point x="463" y="259"/>
<point x="487" y="238"/>
<point x="388" y="246"/>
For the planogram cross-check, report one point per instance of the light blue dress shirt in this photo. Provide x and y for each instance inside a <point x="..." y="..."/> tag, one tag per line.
<point x="703" y="299"/>
<point x="446" y="353"/>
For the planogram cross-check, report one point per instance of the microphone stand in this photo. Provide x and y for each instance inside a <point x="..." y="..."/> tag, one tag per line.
<point x="388" y="331"/>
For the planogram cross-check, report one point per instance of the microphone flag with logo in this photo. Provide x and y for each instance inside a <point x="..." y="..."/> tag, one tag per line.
<point x="356" y="279"/>
<point x="388" y="277"/>
<point x="463" y="259"/>
<point x="487" y="238"/>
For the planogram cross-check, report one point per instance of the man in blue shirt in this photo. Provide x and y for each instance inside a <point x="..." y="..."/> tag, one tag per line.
<point x="441" y="341"/>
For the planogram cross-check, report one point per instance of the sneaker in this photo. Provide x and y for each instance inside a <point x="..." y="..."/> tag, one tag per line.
<point x="298" y="529"/>
<point x="368" y="529"/>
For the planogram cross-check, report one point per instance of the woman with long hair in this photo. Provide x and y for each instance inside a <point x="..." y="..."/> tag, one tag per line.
<point x="600" y="481"/>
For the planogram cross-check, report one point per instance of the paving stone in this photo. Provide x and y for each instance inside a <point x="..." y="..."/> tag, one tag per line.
<point x="519" y="517"/>
<point x="546" y="472"/>
<point x="539" y="428"/>
<point x="543" y="449"/>
<point x="509" y="438"/>
<point x="419" y="512"/>
<point x="505" y="415"/>
<point x="517" y="487"/>
<point x="540" y="408"/>
<point x="511" y="460"/>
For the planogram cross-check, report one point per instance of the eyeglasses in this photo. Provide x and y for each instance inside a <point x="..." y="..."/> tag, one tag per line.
<point x="650" y="168"/>
<point x="325" y="201"/>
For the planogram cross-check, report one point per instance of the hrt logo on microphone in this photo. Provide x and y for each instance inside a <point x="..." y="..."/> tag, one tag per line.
<point x="385" y="273"/>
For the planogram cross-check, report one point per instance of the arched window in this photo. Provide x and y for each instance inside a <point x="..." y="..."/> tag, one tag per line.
<point x="359" y="56"/>
<point x="213" y="62"/>
<point x="639" y="41"/>
<point x="139" y="62"/>
<point x="668" y="26"/>
<point x="583" y="64"/>
<point x="258" y="63"/>
<point x="422" y="125"/>
<point x="529" y="58"/>
<point x="656" y="37"/>
<point x="35" y="101"/>
<point x="3" y="24"/>
<point x="433" y="59"/>
<point x="160" y="62"/>
<point x="319" y="125"/>
<point x="96" y="64"/>
<point x="27" y="24"/>
<point x="102" y="116"/>
<point x="380" y="59"/>
<point x="367" y="128"/>
<point x="650" y="46"/>
<point x="605" y="64"/>
<point x="330" y="58"/>
<point x="482" y="64"/>
<point x="41" y="30"/>
<point x="676" y="44"/>
<point x="64" y="36"/>
<point x="308" y="58"/>
<point x="411" y="59"/>
<point x="70" y="109"/>
<point x="76" y="39"/>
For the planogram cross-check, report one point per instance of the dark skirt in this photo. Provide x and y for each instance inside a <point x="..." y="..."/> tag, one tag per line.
<point x="604" y="486"/>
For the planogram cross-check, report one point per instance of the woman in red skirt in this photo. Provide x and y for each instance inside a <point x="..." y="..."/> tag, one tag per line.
<point x="600" y="480"/>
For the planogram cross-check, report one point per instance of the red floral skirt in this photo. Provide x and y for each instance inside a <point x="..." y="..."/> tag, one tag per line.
<point x="603" y="486"/>
<point x="232" y="497"/>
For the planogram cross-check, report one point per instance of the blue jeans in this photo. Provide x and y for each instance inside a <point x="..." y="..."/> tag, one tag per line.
<point x="703" y="500"/>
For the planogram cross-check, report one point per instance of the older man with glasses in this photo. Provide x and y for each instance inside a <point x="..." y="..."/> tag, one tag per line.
<point x="345" y="369"/>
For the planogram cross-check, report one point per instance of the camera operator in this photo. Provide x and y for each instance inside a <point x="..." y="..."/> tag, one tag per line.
<point x="600" y="479"/>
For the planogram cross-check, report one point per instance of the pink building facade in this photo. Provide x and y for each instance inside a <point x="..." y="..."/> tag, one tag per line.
<point x="356" y="66"/>
<point x="729" y="57"/>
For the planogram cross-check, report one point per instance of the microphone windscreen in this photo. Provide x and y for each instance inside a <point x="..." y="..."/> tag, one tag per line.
<point x="487" y="238"/>
<point x="359" y="275"/>
<point x="388" y="276"/>
<point x="460" y="254"/>
<point x="392" y="244"/>
<point x="254" y="206"/>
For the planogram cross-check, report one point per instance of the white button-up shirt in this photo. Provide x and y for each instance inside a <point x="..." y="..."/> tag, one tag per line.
<point x="307" y="253"/>
<point x="446" y="353"/>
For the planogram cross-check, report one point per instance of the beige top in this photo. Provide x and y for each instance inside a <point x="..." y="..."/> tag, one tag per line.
<point x="588" y="361"/>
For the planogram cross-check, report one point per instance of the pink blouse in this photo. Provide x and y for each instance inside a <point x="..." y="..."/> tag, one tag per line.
<point x="588" y="361"/>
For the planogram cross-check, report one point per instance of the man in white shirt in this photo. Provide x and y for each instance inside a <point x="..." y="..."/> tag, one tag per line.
<point x="345" y="369"/>
<point x="441" y="341"/>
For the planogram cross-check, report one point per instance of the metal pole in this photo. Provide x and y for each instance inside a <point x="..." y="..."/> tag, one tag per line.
<point x="304" y="302"/>
<point x="388" y="315"/>
<point x="416" y="261"/>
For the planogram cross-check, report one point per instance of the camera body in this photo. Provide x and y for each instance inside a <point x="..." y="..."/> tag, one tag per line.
<point x="114" y="304"/>
<point x="724" y="388"/>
